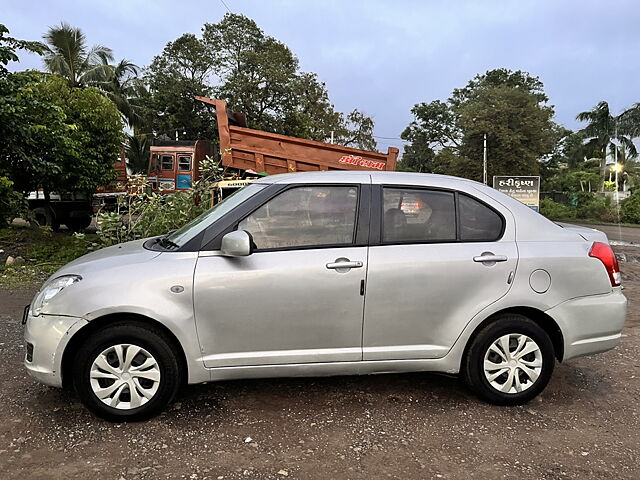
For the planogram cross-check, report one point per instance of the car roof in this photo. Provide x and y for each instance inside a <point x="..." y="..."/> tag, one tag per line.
<point x="348" y="176"/>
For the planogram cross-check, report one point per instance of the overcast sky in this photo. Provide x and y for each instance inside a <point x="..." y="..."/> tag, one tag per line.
<point x="384" y="56"/>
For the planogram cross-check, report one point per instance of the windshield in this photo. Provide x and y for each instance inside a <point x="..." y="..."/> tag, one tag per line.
<point x="195" y="226"/>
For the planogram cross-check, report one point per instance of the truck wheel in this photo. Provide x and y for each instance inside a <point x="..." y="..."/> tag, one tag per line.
<point x="126" y="372"/>
<point x="510" y="361"/>
<point x="78" y="223"/>
<point x="45" y="217"/>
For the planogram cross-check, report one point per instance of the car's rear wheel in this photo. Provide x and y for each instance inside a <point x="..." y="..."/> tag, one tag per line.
<point x="510" y="361"/>
<point x="126" y="372"/>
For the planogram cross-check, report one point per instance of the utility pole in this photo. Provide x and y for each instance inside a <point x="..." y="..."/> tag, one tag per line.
<point x="615" y="158"/>
<point x="484" y="161"/>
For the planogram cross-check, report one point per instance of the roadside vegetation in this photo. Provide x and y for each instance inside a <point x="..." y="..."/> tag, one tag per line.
<point x="36" y="253"/>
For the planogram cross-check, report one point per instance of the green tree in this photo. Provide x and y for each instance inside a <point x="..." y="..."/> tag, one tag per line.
<point x="257" y="75"/>
<point x="174" y="78"/>
<point x="55" y="137"/>
<point x="9" y="45"/>
<point x="67" y="55"/>
<point x="603" y="128"/>
<point x="137" y="150"/>
<point x="255" y="72"/>
<point x="508" y="107"/>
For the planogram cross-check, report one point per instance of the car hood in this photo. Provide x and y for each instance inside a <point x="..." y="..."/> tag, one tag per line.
<point x="128" y="253"/>
<point x="590" y="234"/>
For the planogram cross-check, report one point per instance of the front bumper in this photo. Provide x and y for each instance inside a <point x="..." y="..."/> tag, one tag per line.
<point x="591" y="324"/>
<point x="48" y="336"/>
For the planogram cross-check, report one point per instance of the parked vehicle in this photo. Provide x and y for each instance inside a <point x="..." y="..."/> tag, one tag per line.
<point x="75" y="209"/>
<point x="175" y="165"/>
<point x="265" y="152"/>
<point x="330" y="273"/>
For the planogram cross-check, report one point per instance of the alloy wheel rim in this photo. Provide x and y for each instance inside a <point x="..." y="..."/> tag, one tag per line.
<point x="124" y="376"/>
<point x="513" y="363"/>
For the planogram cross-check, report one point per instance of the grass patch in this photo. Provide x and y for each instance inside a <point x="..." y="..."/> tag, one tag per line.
<point x="43" y="250"/>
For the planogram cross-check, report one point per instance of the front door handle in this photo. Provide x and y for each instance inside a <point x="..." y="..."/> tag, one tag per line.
<point x="343" y="264"/>
<point x="490" y="258"/>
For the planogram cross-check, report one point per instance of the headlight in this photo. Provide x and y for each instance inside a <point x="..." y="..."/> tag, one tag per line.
<point x="50" y="290"/>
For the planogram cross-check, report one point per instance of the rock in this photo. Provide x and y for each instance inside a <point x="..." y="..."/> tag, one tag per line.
<point x="9" y="260"/>
<point x="284" y="473"/>
<point x="18" y="261"/>
<point x="248" y="440"/>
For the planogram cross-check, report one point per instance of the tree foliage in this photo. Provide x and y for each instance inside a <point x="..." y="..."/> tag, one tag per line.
<point x="9" y="45"/>
<point x="508" y="107"/>
<point x="56" y="137"/>
<point x="67" y="55"/>
<point x="256" y="74"/>
<point x="603" y="129"/>
<point x="174" y="78"/>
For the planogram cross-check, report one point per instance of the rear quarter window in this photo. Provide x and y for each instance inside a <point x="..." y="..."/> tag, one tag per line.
<point x="478" y="222"/>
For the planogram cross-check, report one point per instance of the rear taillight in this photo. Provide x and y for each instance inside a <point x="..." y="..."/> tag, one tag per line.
<point x="604" y="253"/>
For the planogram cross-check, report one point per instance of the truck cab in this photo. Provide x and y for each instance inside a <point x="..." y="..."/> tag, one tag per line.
<point x="175" y="165"/>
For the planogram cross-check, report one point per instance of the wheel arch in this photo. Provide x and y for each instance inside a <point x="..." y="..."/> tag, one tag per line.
<point x="547" y="323"/>
<point x="102" y="322"/>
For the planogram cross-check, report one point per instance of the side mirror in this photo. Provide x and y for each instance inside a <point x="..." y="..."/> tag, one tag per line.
<point x="236" y="244"/>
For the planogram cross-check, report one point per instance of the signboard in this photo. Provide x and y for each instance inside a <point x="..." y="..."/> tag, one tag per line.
<point x="524" y="189"/>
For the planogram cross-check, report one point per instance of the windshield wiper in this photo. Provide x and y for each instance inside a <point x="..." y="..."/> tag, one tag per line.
<point x="165" y="242"/>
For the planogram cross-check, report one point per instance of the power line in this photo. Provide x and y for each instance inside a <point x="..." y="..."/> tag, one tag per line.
<point x="226" y="6"/>
<point x="391" y="138"/>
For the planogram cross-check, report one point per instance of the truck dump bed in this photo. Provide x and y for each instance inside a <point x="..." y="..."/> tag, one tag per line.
<point x="248" y="149"/>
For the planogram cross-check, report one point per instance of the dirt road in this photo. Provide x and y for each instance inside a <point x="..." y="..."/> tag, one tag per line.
<point x="585" y="425"/>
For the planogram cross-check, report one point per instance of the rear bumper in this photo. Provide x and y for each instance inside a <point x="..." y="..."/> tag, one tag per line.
<point x="591" y="324"/>
<point x="48" y="336"/>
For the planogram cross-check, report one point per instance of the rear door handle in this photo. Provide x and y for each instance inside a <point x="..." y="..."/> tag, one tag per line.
<point x="336" y="265"/>
<point x="490" y="258"/>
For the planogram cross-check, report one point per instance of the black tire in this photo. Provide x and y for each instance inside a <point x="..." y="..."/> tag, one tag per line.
<point x="45" y="217"/>
<point x="78" y="223"/>
<point x="149" y="339"/>
<point x="473" y="363"/>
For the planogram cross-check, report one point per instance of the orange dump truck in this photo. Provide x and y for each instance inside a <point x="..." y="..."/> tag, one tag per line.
<point x="174" y="166"/>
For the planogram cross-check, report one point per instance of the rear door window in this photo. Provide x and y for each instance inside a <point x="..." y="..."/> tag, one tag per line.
<point x="418" y="216"/>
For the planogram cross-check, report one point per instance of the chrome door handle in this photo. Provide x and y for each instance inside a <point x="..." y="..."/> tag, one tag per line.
<point x="344" y="264"/>
<point x="490" y="258"/>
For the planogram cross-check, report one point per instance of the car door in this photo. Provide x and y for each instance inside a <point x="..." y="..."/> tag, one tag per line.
<point x="441" y="257"/>
<point x="298" y="297"/>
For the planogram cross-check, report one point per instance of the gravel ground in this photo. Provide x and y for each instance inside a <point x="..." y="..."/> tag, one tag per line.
<point x="585" y="425"/>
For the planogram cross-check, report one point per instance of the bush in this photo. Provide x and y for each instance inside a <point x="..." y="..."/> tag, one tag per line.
<point x="12" y="203"/>
<point x="630" y="208"/>
<point x="142" y="215"/>
<point x="556" y="211"/>
<point x="592" y="206"/>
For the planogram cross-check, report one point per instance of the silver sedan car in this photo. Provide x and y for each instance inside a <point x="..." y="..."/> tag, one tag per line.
<point x="330" y="273"/>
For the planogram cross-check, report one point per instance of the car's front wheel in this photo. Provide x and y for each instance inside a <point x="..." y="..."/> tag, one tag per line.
<point x="510" y="361"/>
<point x="126" y="372"/>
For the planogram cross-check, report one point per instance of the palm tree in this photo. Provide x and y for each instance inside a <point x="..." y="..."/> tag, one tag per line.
<point x="137" y="149"/>
<point x="602" y="129"/>
<point x="630" y="120"/>
<point x="122" y="86"/>
<point x="67" y="55"/>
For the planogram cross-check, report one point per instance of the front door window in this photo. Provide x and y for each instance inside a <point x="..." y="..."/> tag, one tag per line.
<point x="305" y="217"/>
